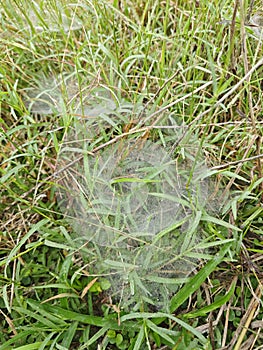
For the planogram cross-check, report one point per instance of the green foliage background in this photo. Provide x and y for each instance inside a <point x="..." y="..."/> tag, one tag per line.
<point x="187" y="58"/>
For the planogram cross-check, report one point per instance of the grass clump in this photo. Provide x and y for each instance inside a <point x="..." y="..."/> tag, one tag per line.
<point x="129" y="70"/>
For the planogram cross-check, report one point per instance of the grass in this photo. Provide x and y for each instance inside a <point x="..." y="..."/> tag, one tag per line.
<point x="191" y="63"/>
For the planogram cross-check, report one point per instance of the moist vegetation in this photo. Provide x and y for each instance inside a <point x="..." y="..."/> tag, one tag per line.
<point x="195" y="63"/>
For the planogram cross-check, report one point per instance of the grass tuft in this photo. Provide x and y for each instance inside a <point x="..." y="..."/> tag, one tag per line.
<point x="183" y="75"/>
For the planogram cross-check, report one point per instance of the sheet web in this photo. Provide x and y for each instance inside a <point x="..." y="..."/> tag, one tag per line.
<point x="136" y="207"/>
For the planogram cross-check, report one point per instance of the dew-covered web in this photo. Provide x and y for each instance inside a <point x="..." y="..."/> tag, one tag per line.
<point x="63" y="17"/>
<point x="136" y="207"/>
<point x="57" y="95"/>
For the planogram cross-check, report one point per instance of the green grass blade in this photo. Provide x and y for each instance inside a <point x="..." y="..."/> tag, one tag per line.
<point x="69" y="335"/>
<point x="161" y="316"/>
<point x="18" y="337"/>
<point x="139" y="339"/>
<point x="109" y="322"/>
<point x="96" y="336"/>
<point x="215" y="305"/>
<point x="190" y="287"/>
<point x="163" y="332"/>
<point x="23" y="240"/>
<point x="34" y="346"/>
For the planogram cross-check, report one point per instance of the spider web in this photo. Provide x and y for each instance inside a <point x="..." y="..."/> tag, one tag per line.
<point x="137" y="209"/>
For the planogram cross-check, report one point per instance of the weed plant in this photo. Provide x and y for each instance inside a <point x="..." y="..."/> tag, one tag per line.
<point x="129" y="70"/>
